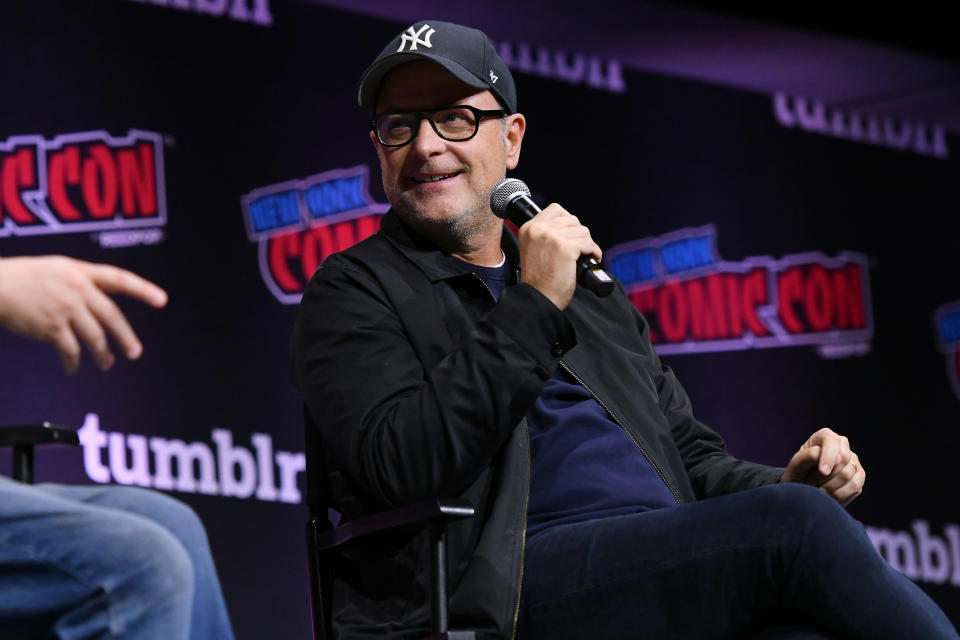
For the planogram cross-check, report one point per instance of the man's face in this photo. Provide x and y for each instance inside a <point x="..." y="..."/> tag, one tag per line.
<point x="439" y="187"/>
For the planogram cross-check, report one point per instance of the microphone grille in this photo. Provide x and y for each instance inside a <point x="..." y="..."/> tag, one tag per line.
<point x="503" y="193"/>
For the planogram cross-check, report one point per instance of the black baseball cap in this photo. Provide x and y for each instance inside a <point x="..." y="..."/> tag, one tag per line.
<point x="463" y="51"/>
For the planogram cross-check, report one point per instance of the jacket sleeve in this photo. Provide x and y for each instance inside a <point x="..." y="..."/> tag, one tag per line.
<point x="402" y="432"/>
<point x="711" y="469"/>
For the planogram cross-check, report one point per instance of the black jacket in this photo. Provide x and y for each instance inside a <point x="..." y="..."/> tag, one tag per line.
<point x="418" y="383"/>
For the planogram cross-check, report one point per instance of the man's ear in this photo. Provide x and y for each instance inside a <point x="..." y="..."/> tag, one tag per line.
<point x="377" y="147"/>
<point x="513" y="138"/>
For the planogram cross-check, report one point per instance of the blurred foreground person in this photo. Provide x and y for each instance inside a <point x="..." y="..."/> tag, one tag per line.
<point x="97" y="561"/>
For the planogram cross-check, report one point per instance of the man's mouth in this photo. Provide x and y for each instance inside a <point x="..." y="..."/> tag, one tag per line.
<point x="436" y="178"/>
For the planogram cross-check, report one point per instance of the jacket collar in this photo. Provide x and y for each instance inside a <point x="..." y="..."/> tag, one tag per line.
<point x="427" y="256"/>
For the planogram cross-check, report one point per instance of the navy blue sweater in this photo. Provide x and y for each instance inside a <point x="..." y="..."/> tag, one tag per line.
<point x="584" y="465"/>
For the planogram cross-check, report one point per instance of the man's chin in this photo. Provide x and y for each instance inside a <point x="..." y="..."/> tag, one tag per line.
<point x="419" y="211"/>
<point x="430" y="224"/>
<point x="444" y="228"/>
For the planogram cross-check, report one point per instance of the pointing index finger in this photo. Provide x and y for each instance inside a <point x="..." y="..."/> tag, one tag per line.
<point x="116" y="280"/>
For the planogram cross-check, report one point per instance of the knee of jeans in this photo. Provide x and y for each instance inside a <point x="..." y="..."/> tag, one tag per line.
<point x="803" y="503"/>
<point x="181" y="520"/>
<point x="809" y="496"/>
<point x="165" y="565"/>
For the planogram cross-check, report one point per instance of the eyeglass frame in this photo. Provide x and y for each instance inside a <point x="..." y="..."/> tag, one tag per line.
<point x="480" y="114"/>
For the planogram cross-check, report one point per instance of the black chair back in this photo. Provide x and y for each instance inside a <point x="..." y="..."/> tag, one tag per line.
<point x="321" y="569"/>
<point x="323" y="541"/>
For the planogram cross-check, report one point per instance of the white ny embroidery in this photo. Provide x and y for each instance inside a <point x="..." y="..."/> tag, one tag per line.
<point x="413" y="37"/>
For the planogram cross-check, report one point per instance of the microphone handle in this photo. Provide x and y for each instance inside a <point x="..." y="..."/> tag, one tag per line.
<point x="590" y="274"/>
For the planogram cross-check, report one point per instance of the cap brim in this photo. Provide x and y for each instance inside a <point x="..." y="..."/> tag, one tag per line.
<point x="372" y="79"/>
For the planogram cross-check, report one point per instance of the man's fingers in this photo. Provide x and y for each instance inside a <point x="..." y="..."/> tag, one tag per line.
<point x="827" y="462"/>
<point x="842" y="476"/>
<point x="847" y="494"/>
<point x="803" y="466"/>
<point x="90" y="332"/>
<point x="569" y="226"/>
<point x="587" y="247"/>
<point x="67" y="303"/>
<point x="810" y="456"/>
<point x="550" y="246"/>
<point x="67" y="348"/>
<point x="116" y="280"/>
<point x="108" y="314"/>
<point x="848" y="483"/>
<point x="594" y="251"/>
<point x="831" y="450"/>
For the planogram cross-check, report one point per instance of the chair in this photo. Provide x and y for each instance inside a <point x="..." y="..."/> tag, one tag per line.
<point x="324" y="540"/>
<point x="23" y="438"/>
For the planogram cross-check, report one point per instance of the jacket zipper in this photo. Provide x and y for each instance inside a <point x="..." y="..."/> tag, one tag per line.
<point x="622" y="426"/>
<point x="526" y="500"/>
<point x="485" y="286"/>
<point x="523" y="544"/>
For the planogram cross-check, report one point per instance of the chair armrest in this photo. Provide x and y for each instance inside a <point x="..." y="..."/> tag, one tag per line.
<point x="24" y="437"/>
<point x="422" y="511"/>
<point x="321" y="541"/>
<point x="38" y="433"/>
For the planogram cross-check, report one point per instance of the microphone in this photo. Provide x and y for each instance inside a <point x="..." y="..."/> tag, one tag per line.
<point x="510" y="200"/>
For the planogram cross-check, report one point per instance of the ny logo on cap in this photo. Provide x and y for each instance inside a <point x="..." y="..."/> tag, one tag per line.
<point x="413" y="37"/>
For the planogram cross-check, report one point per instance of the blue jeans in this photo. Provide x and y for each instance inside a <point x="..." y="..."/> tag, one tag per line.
<point x="105" y="562"/>
<point x="721" y="568"/>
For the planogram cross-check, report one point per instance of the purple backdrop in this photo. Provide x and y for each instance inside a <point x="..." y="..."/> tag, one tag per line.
<point x="796" y="257"/>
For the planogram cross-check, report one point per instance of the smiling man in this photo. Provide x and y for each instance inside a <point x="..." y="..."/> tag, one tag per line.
<point x="445" y="357"/>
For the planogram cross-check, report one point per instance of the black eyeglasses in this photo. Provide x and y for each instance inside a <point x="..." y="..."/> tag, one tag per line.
<point x="456" y="124"/>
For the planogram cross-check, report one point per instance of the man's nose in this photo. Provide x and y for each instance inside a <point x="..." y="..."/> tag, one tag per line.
<point x="427" y="141"/>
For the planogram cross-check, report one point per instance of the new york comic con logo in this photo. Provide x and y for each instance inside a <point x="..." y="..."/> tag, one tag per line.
<point x="946" y="321"/>
<point x="697" y="302"/>
<point x="298" y="223"/>
<point x="88" y="181"/>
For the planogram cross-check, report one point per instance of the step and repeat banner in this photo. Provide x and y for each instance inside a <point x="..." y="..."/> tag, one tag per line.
<point x="798" y="263"/>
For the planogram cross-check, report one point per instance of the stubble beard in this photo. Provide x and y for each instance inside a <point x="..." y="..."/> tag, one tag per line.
<point x="462" y="232"/>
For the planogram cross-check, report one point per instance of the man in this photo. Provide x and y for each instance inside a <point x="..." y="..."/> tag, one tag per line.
<point x="99" y="561"/>
<point x="442" y="358"/>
